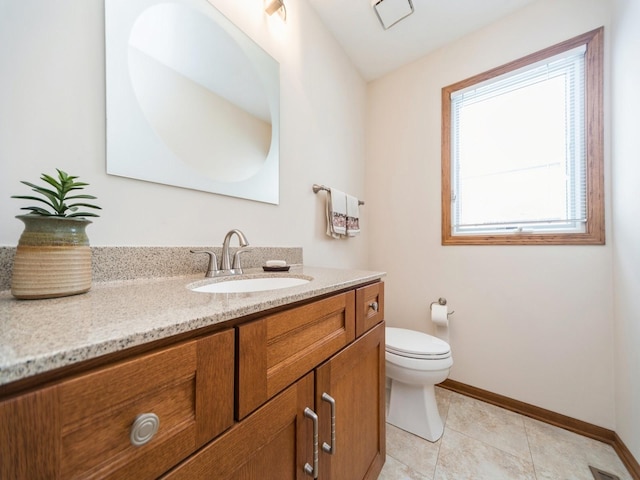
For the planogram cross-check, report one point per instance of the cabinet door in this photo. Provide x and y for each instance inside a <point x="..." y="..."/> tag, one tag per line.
<point x="188" y="387"/>
<point x="273" y="443"/>
<point x="29" y="436"/>
<point x="276" y="350"/>
<point x="354" y="378"/>
<point x="81" y="427"/>
<point x="369" y="307"/>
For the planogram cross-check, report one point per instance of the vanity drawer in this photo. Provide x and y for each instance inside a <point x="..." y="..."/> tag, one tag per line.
<point x="275" y="351"/>
<point x="189" y="388"/>
<point x="369" y="307"/>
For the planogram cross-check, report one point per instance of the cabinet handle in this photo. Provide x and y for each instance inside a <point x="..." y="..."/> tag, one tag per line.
<point x="308" y="469"/>
<point x="374" y="306"/>
<point x="143" y="429"/>
<point x="331" y="449"/>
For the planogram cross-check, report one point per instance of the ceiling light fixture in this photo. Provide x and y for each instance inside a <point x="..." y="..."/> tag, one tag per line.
<point x="273" y="6"/>
<point x="390" y="12"/>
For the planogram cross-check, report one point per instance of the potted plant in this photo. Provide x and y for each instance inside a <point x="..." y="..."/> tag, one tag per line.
<point x="53" y="258"/>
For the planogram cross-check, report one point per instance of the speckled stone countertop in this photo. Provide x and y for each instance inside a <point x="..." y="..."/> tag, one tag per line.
<point x="40" y="335"/>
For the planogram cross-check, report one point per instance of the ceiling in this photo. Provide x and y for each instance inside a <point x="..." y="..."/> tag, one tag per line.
<point x="375" y="51"/>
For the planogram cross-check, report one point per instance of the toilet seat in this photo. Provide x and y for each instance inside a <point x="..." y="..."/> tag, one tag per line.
<point x="418" y="345"/>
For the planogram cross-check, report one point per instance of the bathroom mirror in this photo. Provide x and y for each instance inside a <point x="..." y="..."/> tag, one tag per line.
<point x="191" y="100"/>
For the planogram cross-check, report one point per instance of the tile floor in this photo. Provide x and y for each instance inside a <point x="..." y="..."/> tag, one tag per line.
<point x="485" y="442"/>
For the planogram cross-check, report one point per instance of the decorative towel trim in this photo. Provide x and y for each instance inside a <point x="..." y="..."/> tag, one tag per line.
<point x="353" y="216"/>
<point x="336" y="214"/>
<point x="343" y="214"/>
<point x="353" y="226"/>
<point x="339" y="222"/>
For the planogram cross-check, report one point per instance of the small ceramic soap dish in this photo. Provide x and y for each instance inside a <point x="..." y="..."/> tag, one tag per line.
<point x="276" y="266"/>
<point x="276" y="269"/>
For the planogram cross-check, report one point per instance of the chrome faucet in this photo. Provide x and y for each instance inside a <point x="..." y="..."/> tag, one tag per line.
<point x="236" y="267"/>
<point x="226" y="267"/>
<point x="212" y="266"/>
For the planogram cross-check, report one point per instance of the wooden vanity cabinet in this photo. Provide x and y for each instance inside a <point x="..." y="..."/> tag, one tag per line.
<point x="274" y="442"/>
<point x="30" y="430"/>
<point x="355" y="381"/>
<point x="319" y="340"/>
<point x="277" y="349"/>
<point x="81" y="427"/>
<point x="233" y="405"/>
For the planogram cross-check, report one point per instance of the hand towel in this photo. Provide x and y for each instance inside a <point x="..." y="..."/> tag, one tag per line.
<point x="353" y="216"/>
<point x="336" y="213"/>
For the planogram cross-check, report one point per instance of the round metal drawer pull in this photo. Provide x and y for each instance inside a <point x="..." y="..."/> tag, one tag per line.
<point x="374" y="306"/>
<point x="144" y="428"/>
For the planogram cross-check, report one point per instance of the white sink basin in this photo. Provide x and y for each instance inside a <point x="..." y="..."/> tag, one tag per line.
<point x="244" y="285"/>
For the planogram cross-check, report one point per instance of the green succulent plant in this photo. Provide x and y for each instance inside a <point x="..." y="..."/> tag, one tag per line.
<point x="57" y="199"/>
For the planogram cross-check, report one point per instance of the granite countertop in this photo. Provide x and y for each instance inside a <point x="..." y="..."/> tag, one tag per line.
<point x="40" y="335"/>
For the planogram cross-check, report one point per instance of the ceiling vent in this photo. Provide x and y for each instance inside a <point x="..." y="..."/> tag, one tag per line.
<point x="390" y="12"/>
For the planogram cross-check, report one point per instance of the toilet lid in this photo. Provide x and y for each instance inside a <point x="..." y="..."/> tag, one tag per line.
<point x="409" y="343"/>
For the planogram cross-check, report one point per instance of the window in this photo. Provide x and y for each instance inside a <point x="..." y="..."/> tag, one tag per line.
<point x="522" y="150"/>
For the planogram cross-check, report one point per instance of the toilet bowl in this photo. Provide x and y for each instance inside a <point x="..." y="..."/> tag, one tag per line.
<point x="415" y="363"/>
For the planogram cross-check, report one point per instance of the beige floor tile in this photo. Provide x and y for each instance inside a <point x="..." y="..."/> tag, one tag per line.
<point x="465" y="458"/>
<point x="484" y="442"/>
<point x="416" y="452"/>
<point x="395" y="470"/>
<point x="492" y="425"/>
<point x="443" y="399"/>
<point x="560" y="454"/>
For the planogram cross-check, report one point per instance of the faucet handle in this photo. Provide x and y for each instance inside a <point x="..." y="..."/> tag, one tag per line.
<point x="237" y="267"/>
<point x="212" y="267"/>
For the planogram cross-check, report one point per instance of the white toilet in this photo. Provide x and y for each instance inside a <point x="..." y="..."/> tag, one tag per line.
<point x="415" y="363"/>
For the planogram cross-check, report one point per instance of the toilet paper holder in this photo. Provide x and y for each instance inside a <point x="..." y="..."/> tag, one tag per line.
<point x="441" y="301"/>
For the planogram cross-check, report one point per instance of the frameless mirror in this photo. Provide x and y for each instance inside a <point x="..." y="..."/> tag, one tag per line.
<point x="191" y="100"/>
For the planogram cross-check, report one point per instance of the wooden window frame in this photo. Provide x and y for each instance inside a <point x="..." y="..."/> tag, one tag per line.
<point x="594" y="233"/>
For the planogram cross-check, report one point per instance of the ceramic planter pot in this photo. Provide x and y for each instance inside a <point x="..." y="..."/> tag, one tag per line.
<point x="53" y="258"/>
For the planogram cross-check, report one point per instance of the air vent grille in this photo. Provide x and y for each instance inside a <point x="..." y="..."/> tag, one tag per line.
<point x="390" y="12"/>
<point x="602" y="475"/>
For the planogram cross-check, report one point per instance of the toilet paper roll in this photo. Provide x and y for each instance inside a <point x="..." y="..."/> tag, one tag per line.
<point x="439" y="315"/>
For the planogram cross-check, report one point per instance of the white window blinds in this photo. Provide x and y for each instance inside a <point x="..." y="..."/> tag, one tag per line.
<point x="518" y="150"/>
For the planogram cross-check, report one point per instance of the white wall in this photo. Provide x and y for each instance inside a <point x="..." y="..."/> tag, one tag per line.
<point x="626" y="212"/>
<point x="52" y="114"/>
<point x="533" y="323"/>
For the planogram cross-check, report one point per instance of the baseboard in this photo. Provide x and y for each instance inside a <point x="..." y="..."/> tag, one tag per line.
<point x="627" y="457"/>
<point x="577" y="426"/>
